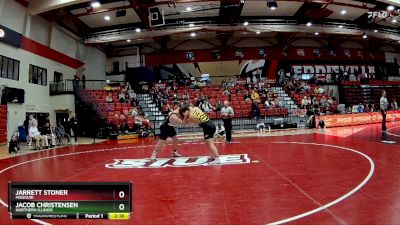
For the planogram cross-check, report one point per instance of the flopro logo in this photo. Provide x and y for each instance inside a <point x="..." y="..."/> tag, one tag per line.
<point x="177" y="162"/>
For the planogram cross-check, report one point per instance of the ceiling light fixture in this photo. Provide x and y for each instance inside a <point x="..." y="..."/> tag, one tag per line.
<point x="343" y="12"/>
<point x="189" y="9"/>
<point x="95" y="4"/>
<point x="365" y="36"/>
<point x="390" y="8"/>
<point x="191" y="24"/>
<point x="107" y="18"/>
<point x="129" y="40"/>
<point x="246" y="23"/>
<point x="316" y="33"/>
<point x="376" y="31"/>
<point x="309" y="24"/>
<point x="137" y="30"/>
<point x="340" y="26"/>
<point x="394" y="21"/>
<point x="193" y="34"/>
<point x="258" y="32"/>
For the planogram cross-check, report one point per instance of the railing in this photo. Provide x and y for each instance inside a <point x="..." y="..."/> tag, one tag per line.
<point x="70" y="86"/>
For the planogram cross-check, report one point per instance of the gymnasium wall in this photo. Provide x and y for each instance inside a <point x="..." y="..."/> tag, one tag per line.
<point x="49" y="46"/>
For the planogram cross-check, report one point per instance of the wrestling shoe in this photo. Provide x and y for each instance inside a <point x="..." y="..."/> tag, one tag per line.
<point x="176" y="154"/>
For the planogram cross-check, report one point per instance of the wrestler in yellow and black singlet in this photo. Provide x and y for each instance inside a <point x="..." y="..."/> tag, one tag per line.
<point x="199" y="117"/>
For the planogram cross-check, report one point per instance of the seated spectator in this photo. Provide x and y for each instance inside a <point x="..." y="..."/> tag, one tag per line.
<point x="109" y="98"/>
<point x="267" y="104"/>
<point x="108" y="88"/>
<point x="60" y="133"/>
<point x="254" y="96"/>
<point x="278" y="103"/>
<point x="48" y="133"/>
<point x="35" y="135"/>
<point x="219" y="106"/>
<point x="121" y="97"/>
<point x="330" y="101"/>
<point x="124" y="124"/>
<point x="393" y="104"/>
<point x="220" y="131"/>
<point x="315" y="102"/>
<point x="321" y="90"/>
<point x="133" y="111"/>
<point x="353" y="77"/>
<point x="13" y="146"/>
<point x="323" y="102"/>
<point x="260" y="126"/>
<point x="131" y="94"/>
<point x="247" y="97"/>
<point x="206" y="106"/>
<point x="309" y="102"/>
<point x="226" y="92"/>
<point x="360" y="108"/>
<point x="304" y="103"/>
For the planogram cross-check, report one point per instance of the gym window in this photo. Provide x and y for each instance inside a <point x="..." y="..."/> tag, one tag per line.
<point x="9" y="68"/>
<point x="37" y="75"/>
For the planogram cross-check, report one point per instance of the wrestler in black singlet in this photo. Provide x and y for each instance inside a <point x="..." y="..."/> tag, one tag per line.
<point x="167" y="130"/>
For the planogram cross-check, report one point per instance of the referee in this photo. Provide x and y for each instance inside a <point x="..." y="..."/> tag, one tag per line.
<point x="227" y="114"/>
<point x="384" y="106"/>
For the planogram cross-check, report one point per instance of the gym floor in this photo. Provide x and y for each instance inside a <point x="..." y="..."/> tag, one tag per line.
<point x="337" y="176"/>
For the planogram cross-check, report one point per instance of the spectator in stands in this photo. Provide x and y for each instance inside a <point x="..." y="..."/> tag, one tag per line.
<point x="13" y="146"/>
<point x="247" y="97"/>
<point x="218" y="106"/>
<point x="267" y="104"/>
<point x="255" y="110"/>
<point x="107" y="87"/>
<point x="60" y="133"/>
<point x="254" y="96"/>
<point x="35" y="136"/>
<point x="360" y="108"/>
<point x="260" y="126"/>
<point x="206" y="106"/>
<point x="220" y="131"/>
<point x="278" y="103"/>
<point x="121" y="97"/>
<point x="48" y="133"/>
<point x="304" y="103"/>
<point x="393" y="104"/>
<point x="352" y="77"/>
<point x="315" y="102"/>
<point x="109" y="98"/>
<point x="124" y="124"/>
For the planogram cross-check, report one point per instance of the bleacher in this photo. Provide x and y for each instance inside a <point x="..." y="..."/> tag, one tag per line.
<point x="354" y="92"/>
<point x="107" y="111"/>
<point x="215" y="94"/>
<point x="299" y="97"/>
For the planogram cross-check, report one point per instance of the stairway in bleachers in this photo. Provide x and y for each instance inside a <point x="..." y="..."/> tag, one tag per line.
<point x="285" y="98"/>
<point x="152" y="111"/>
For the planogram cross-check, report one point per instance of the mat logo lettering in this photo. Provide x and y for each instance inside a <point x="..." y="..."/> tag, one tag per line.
<point x="177" y="162"/>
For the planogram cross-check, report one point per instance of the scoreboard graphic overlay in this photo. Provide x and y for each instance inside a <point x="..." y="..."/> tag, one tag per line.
<point x="70" y="200"/>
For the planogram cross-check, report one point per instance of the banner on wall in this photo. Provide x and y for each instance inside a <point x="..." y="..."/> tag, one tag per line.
<point x="358" y="119"/>
<point x="323" y="70"/>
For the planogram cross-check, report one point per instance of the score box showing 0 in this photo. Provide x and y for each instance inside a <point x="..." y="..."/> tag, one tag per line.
<point x="69" y="198"/>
